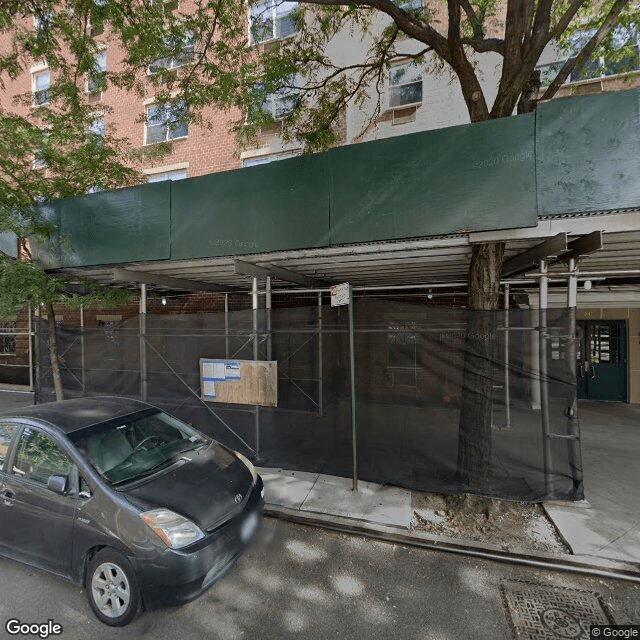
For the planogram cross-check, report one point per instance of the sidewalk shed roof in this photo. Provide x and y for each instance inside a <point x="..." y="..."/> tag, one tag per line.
<point x="394" y="211"/>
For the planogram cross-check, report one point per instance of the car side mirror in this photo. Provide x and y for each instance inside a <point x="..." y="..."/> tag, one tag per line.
<point x="58" y="484"/>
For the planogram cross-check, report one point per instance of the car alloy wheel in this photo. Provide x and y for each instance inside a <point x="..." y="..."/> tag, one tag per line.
<point x="112" y="589"/>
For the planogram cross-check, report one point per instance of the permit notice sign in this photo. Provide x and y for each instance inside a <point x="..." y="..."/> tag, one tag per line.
<point x="339" y="294"/>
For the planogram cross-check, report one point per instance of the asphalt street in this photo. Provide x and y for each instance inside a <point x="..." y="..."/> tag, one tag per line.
<point x="301" y="582"/>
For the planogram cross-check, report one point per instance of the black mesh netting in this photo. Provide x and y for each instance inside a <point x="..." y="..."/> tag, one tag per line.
<point x="431" y="389"/>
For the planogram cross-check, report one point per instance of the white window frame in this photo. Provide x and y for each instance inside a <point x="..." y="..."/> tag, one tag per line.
<point x="8" y="334"/>
<point x="555" y="66"/>
<point x="40" y="164"/>
<point x="176" y="174"/>
<point x="100" y="61"/>
<point x="97" y="126"/>
<point x="254" y="161"/>
<point x="178" y="60"/>
<point x="276" y="102"/>
<point x="165" y="124"/>
<point x="410" y="5"/>
<point x="45" y="92"/>
<point x="167" y="5"/>
<point x="393" y="87"/>
<point x="270" y="14"/>
<point x="42" y="21"/>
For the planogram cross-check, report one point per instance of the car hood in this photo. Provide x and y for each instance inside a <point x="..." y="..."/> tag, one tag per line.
<point x="208" y="486"/>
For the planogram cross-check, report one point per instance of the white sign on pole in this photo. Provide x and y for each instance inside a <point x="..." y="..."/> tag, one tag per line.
<point x="340" y="294"/>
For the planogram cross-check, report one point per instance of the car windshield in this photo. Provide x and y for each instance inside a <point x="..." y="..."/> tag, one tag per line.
<point x="133" y="446"/>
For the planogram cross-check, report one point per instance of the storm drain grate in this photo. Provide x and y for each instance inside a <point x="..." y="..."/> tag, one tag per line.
<point x="540" y="612"/>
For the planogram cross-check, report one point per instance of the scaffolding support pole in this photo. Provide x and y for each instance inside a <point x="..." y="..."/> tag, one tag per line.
<point x="256" y="411"/>
<point x="573" y="424"/>
<point x="143" y="345"/>
<point x="82" y="351"/>
<point x="267" y="299"/>
<point x="544" y="382"/>
<point x="320" y="390"/>
<point x="37" y="351"/>
<point x="226" y="325"/>
<point x="507" y="394"/>
<point x="30" y="330"/>
<point x="352" y="361"/>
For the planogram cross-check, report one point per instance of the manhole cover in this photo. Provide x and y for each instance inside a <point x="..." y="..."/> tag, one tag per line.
<point x="540" y="612"/>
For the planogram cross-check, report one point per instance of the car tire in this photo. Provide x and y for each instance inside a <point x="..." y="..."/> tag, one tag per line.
<point x="112" y="588"/>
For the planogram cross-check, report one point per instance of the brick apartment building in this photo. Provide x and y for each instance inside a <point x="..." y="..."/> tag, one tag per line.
<point x="412" y="101"/>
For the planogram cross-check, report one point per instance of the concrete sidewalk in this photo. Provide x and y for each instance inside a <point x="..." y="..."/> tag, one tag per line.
<point x="385" y="512"/>
<point x="602" y="533"/>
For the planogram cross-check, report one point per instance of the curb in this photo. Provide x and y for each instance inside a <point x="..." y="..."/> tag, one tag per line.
<point x="399" y="535"/>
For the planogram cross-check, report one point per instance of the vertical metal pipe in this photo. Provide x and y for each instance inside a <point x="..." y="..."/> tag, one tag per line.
<point x="544" y="382"/>
<point x="226" y="325"/>
<point x="30" y="330"/>
<point x="254" y="305"/>
<point x="143" y="344"/>
<point x="507" y="394"/>
<point x="320" y="373"/>
<point x="37" y="353"/>
<point x="82" y="351"/>
<point x="352" y="360"/>
<point x="573" y="425"/>
<point x="267" y="298"/>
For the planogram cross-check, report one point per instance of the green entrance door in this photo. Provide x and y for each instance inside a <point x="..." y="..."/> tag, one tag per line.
<point x="602" y="360"/>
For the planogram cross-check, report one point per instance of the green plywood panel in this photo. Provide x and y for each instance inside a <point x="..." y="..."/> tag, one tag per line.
<point x="47" y="252"/>
<point x="587" y="149"/>
<point x="472" y="177"/>
<point x="271" y="207"/>
<point x="116" y="226"/>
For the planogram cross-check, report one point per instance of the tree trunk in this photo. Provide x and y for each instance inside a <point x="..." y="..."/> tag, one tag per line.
<point x="53" y="353"/>
<point x="474" y="435"/>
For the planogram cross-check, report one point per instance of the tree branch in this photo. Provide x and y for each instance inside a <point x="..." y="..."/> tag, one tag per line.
<point x="566" y="19"/>
<point x="577" y="62"/>
<point x="484" y="45"/>
<point x="407" y="23"/>
<point x="476" y="24"/>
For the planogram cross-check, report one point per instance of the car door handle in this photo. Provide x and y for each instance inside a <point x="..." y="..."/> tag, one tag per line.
<point x="8" y="497"/>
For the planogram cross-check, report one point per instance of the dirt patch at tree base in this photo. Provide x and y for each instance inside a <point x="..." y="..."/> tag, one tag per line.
<point x="510" y="525"/>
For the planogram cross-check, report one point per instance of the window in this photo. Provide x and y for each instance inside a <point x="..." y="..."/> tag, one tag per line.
<point x="273" y="157"/>
<point x="167" y="6"/>
<point x="278" y="104"/>
<point x="96" y="128"/>
<point x="96" y="82"/>
<point x="6" y="434"/>
<point x="39" y="457"/>
<point x="167" y="122"/>
<point x="623" y="55"/>
<point x="40" y="83"/>
<point x="7" y="337"/>
<point x="40" y="153"/>
<point x="410" y="5"/>
<point x="404" y="345"/>
<point x="270" y="19"/>
<point x="405" y="85"/>
<point x="95" y="134"/>
<point x="168" y="175"/>
<point x="43" y="21"/>
<point x="185" y="51"/>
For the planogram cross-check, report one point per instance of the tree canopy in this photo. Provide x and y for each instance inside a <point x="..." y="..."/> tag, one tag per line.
<point x="271" y="59"/>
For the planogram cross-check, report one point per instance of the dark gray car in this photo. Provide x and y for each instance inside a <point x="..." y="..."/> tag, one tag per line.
<point x="124" y="499"/>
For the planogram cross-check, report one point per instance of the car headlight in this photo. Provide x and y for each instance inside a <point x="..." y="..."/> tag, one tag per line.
<point x="174" y="530"/>
<point x="249" y="465"/>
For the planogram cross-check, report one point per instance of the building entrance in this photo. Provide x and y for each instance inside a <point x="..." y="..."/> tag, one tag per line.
<point x="602" y="360"/>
